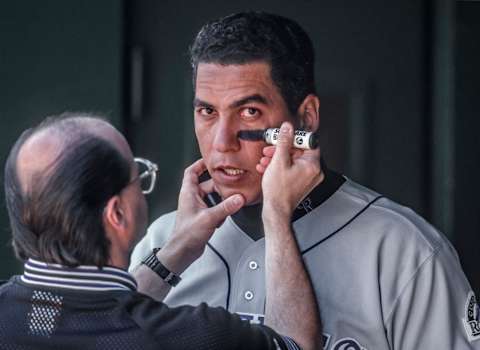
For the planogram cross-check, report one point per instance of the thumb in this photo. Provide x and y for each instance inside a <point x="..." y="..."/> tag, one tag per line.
<point x="227" y="207"/>
<point x="284" y="143"/>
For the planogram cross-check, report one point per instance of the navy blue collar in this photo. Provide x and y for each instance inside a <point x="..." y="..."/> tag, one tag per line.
<point x="249" y="218"/>
<point x="83" y="277"/>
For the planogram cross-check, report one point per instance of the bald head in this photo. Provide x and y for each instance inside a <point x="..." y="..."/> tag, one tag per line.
<point x="58" y="178"/>
<point x="41" y="150"/>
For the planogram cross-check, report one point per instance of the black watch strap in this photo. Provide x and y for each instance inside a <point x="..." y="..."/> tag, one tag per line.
<point x="156" y="266"/>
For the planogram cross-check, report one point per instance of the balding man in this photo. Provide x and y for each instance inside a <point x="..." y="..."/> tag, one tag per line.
<point x="75" y="198"/>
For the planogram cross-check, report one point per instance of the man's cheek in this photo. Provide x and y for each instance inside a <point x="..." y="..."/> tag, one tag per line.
<point x="254" y="153"/>
<point x="202" y="136"/>
<point x="203" y="147"/>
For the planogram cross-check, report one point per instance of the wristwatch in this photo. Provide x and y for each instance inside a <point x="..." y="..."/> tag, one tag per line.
<point x="156" y="266"/>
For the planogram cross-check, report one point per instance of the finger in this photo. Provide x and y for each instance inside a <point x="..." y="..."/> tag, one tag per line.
<point x="263" y="164"/>
<point x="297" y="153"/>
<point x="285" y="143"/>
<point x="207" y="186"/>
<point x="264" y="161"/>
<point x="310" y="154"/>
<point x="226" y="208"/>
<point x="198" y="167"/>
<point x="191" y="173"/>
<point x="269" y="151"/>
<point x="260" y="168"/>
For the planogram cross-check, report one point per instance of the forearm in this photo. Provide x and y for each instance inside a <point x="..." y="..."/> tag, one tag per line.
<point x="291" y="307"/>
<point x="194" y="225"/>
<point x="175" y="257"/>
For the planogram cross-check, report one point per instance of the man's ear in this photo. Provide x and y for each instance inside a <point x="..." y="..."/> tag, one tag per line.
<point x="114" y="215"/>
<point x="308" y="112"/>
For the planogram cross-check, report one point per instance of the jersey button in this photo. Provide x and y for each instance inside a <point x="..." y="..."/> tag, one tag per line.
<point x="248" y="295"/>
<point x="253" y="265"/>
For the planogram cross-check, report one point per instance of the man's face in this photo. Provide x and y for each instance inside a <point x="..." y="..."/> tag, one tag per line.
<point x="135" y="204"/>
<point x="230" y="98"/>
<point x="139" y="206"/>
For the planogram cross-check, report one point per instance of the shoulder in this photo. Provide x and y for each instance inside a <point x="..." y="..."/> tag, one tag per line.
<point x="404" y="243"/>
<point x="385" y="219"/>
<point x="355" y="216"/>
<point x="412" y="258"/>
<point x="156" y="236"/>
<point x="5" y="285"/>
<point x="388" y="235"/>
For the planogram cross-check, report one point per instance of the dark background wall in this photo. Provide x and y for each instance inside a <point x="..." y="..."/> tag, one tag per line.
<point x="397" y="83"/>
<point x="55" y="56"/>
<point x="466" y="138"/>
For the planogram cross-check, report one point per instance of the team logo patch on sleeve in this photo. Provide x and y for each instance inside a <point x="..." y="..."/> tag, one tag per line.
<point x="471" y="320"/>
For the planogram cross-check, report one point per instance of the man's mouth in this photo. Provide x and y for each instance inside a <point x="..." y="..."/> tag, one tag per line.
<point x="228" y="174"/>
<point x="233" y="171"/>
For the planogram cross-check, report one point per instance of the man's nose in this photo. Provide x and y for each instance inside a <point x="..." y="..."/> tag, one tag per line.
<point x="225" y="136"/>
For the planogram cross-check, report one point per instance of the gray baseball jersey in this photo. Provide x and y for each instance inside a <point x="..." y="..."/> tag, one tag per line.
<point x="383" y="277"/>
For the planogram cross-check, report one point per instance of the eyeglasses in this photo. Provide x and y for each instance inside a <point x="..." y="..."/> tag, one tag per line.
<point x="147" y="174"/>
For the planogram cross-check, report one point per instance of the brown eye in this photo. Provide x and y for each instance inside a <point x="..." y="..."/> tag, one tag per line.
<point x="250" y="112"/>
<point x="205" y="111"/>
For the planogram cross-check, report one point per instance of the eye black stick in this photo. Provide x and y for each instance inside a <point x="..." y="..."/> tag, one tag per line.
<point x="302" y="139"/>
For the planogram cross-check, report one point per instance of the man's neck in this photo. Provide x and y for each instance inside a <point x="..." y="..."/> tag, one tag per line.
<point x="249" y="218"/>
<point x="118" y="259"/>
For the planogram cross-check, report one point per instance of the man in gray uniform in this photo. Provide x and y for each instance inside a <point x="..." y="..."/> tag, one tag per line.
<point x="383" y="277"/>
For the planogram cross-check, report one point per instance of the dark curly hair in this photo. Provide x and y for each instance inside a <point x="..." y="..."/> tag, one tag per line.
<point x="257" y="36"/>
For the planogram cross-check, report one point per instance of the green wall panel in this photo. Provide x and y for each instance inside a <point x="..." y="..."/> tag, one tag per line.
<point x="55" y="56"/>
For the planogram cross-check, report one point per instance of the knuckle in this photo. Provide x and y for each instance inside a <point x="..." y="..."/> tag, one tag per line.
<point x="226" y="207"/>
<point x="284" y="138"/>
<point x="312" y="169"/>
<point x="205" y="219"/>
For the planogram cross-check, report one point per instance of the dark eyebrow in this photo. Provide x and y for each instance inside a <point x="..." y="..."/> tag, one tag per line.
<point x="248" y="99"/>
<point x="198" y="103"/>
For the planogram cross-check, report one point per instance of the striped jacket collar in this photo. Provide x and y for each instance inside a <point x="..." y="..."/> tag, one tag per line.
<point x="87" y="278"/>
